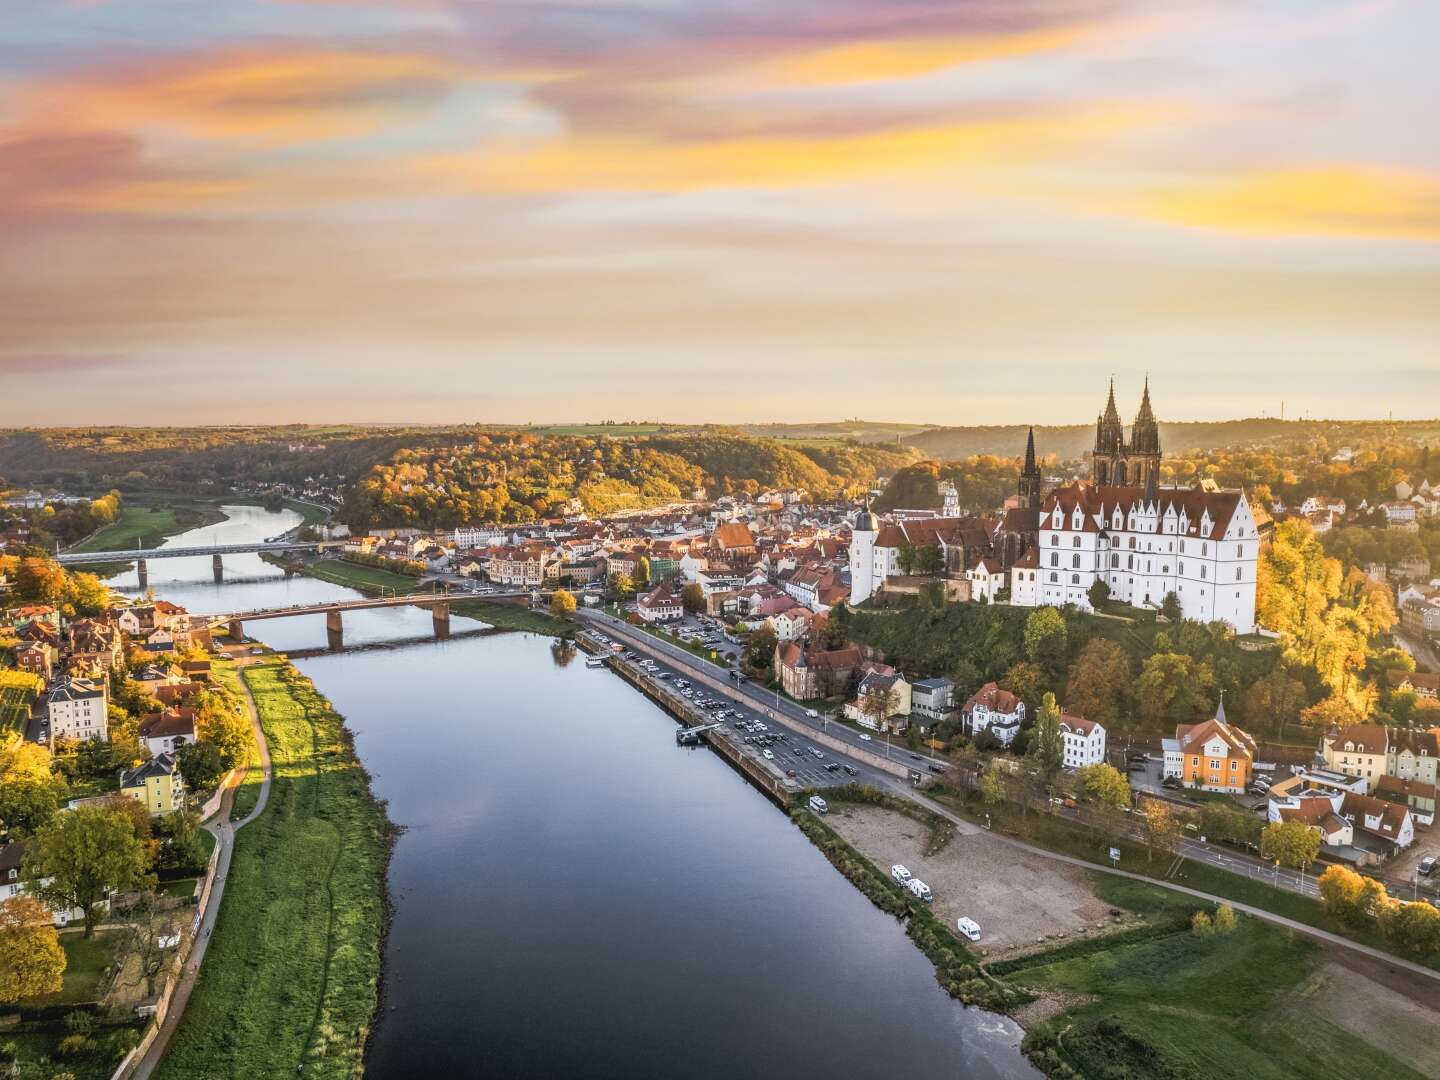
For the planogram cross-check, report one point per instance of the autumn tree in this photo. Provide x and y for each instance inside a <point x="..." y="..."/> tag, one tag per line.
<point x="1274" y="701"/>
<point x="1046" y="640"/>
<point x="692" y="598"/>
<point x="1027" y="682"/>
<point x="40" y="581"/>
<point x="1292" y="843"/>
<point x="31" y="959"/>
<point x="1349" y="896"/>
<point x="30" y="792"/>
<point x="1162" y="828"/>
<point x="1047" y="745"/>
<point x="80" y="857"/>
<point x="878" y="702"/>
<point x="1106" y="791"/>
<point x="201" y="764"/>
<point x="759" y="654"/>
<point x="993" y="784"/>
<point x="1098" y="686"/>
<point x="220" y="721"/>
<point x="562" y="603"/>
<point x="1173" y="688"/>
<point x="1224" y="822"/>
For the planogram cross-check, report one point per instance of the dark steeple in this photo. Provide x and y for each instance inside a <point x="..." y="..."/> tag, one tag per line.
<point x="1029" y="489"/>
<point x="1110" y="431"/>
<point x="1145" y="435"/>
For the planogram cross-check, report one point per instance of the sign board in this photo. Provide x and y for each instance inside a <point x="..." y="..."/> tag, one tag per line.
<point x="1115" y="854"/>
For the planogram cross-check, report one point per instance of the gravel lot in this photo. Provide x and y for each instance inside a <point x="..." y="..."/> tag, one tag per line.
<point x="1018" y="899"/>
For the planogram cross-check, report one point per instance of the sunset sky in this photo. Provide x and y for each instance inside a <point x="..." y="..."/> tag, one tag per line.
<point x="948" y="211"/>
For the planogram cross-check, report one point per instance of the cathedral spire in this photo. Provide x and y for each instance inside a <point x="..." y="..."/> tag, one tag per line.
<point x="1030" y="481"/>
<point x="1112" y="414"/>
<point x="1030" y="452"/>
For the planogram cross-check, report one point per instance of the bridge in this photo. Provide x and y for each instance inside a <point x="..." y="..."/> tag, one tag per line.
<point x="333" y="610"/>
<point x="141" y="556"/>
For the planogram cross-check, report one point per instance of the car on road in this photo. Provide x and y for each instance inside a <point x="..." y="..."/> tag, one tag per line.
<point x="1170" y="782"/>
<point x="832" y="766"/>
<point x="816" y="753"/>
<point x="851" y="770"/>
<point x="864" y="737"/>
<point x="812" y="713"/>
<point x="797" y="751"/>
<point x="969" y="927"/>
<point x="938" y="770"/>
<point x="1427" y="865"/>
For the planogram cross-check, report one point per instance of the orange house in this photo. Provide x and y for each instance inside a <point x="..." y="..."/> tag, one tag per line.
<point x="1212" y="756"/>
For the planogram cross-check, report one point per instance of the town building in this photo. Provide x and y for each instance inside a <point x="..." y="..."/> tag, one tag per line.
<point x="168" y="730"/>
<point x="1213" y="756"/>
<point x="659" y="605"/>
<point x="875" y="686"/>
<point x="997" y="711"/>
<point x="156" y="783"/>
<point x="932" y="701"/>
<point x="1084" y="741"/>
<point x="78" y="709"/>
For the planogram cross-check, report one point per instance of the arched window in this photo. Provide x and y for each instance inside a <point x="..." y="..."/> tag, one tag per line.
<point x="1075" y="562"/>
<point x="1239" y="551"/>
<point x="1054" y="558"/>
<point x="1202" y="573"/>
<point x="1204" y="548"/>
<point x="1130" y="562"/>
<point x="1054" y="540"/>
<point x="1074" y="579"/>
<point x="1077" y="542"/>
<point x="1054" y="577"/>
<point x="1114" y="562"/>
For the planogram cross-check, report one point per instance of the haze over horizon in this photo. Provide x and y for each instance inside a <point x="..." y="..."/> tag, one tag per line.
<point x="958" y="213"/>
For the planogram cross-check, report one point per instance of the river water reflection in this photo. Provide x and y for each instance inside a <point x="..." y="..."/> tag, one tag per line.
<point x="575" y="895"/>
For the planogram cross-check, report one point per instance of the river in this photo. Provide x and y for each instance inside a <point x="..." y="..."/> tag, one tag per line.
<point x="574" y="894"/>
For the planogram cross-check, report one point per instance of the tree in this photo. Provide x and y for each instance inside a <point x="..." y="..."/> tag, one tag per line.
<point x="40" y="581"/>
<point x="878" y="702"/>
<point x="220" y="722"/>
<point x="1098" y="687"/>
<point x="1107" y="791"/>
<point x="562" y="603"/>
<point x="201" y="764"/>
<point x="759" y="652"/>
<point x="993" y="782"/>
<point x="1293" y="843"/>
<point x="1173" y="687"/>
<point x="31" y="959"/>
<point x="1225" y="920"/>
<point x="1347" y="895"/>
<point x="1201" y="925"/>
<point x="87" y="594"/>
<point x="30" y="792"/>
<point x="1274" y="701"/>
<point x="81" y="856"/>
<point x="1219" y="821"/>
<point x="151" y="931"/>
<point x="623" y="584"/>
<point x="1027" y="682"/>
<point x="181" y="846"/>
<point x="1047" y="745"/>
<point x="1162" y="828"/>
<point x="1046" y="640"/>
<point x="692" y="598"/>
<point x="1098" y="594"/>
<point x="905" y="557"/>
<point x="642" y="573"/>
<point x="1171" y="609"/>
<point x="1416" y="928"/>
<point x="1333" y="711"/>
<point x="930" y="559"/>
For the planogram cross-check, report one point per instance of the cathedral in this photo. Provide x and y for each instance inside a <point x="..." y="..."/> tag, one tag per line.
<point x="1116" y="463"/>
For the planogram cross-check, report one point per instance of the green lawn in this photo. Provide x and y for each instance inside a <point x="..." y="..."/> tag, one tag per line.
<point x="85" y="961"/>
<point x="356" y="576"/>
<point x="149" y="524"/>
<point x="292" y="972"/>
<point x="514" y="617"/>
<point x="1178" y="1006"/>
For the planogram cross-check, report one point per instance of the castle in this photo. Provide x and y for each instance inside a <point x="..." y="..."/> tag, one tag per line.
<point x="1119" y="528"/>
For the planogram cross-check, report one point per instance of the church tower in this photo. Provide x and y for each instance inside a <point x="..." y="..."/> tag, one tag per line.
<point x="1109" y="459"/>
<point x="1029" y="489"/>
<point x="1144" y="453"/>
<point x="1118" y="463"/>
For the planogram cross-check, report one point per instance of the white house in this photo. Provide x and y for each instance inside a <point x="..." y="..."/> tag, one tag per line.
<point x="873" y="683"/>
<point x="659" y="605"/>
<point x="11" y="884"/>
<point x="790" y="624"/>
<point x="987" y="577"/>
<point x="78" y="709"/>
<point x="1025" y="580"/>
<point x="995" y="710"/>
<point x="1201" y="545"/>
<point x="1084" y="741"/>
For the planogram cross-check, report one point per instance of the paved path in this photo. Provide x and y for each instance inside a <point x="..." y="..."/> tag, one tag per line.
<point x="1259" y="913"/>
<point x="223" y="830"/>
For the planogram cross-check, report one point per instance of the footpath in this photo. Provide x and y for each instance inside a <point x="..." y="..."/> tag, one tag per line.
<point x="224" y="831"/>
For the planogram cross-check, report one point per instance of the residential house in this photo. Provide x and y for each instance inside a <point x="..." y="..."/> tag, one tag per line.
<point x="1416" y="795"/>
<point x="1421" y="684"/>
<point x="1360" y="750"/>
<point x="12" y="855"/>
<point x="1084" y="741"/>
<point x="156" y="783"/>
<point x="932" y="701"/>
<point x="1413" y="755"/>
<point x="813" y="673"/>
<point x="872" y="686"/>
<point x="1213" y="756"/>
<point x="997" y="711"/>
<point x="1024" y="580"/>
<point x="521" y="566"/>
<point x="166" y="731"/>
<point x="78" y="709"/>
<point x="37" y="657"/>
<point x="791" y="622"/>
<point x="659" y="605"/>
<point x="96" y="644"/>
<point x="987" y="577"/>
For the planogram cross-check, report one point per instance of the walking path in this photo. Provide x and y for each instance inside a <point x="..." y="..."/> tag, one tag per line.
<point x="224" y="831"/>
<point x="1259" y="913"/>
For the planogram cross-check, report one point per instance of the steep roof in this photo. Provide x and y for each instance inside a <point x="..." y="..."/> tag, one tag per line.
<point x="993" y="698"/>
<point x="1097" y="504"/>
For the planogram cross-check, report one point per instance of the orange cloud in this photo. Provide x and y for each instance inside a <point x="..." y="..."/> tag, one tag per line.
<point x="259" y="95"/>
<point x="1340" y="200"/>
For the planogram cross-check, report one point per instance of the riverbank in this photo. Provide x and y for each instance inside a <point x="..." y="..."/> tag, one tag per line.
<point x="146" y="525"/>
<point x="292" y="975"/>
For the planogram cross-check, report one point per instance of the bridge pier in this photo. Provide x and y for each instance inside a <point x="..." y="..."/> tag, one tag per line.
<point x="440" y="616"/>
<point x="142" y="571"/>
<point x="219" y="564"/>
<point x="335" y="628"/>
<point x="237" y="630"/>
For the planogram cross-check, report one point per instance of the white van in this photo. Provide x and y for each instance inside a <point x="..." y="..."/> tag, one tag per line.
<point x="900" y="874"/>
<point x="819" y="805"/>
<point x="920" y="889"/>
<point x="969" y="927"/>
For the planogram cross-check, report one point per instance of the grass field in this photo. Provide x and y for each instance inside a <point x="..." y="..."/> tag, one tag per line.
<point x="514" y="617"/>
<point x="146" y="526"/>
<point x="356" y="576"/>
<point x="85" y="961"/>
<point x="291" y="976"/>
<point x="1178" y="1006"/>
<point x="248" y="793"/>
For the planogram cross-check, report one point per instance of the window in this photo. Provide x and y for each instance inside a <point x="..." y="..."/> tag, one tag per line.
<point x="1202" y="573"/>
<point x="1074" y="579"/>
<point x="1114" y="562"/>
<point x="1239" y="551"/>
<point x="1204" y="548"/>
<point x="1239" y="575"/>
<point x="1075" y="562"/>
<point x="1054" y="558"/>
<point x="1077" y="542"/>
<point x="1054" y="540"/>
<point x="1054" y="576"/>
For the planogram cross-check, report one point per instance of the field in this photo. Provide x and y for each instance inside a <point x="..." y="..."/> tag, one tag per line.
<point x="356" y="576"/>
<point x="145" y="526"/>
<point x="291" y="978"/>
<point x="17" y="691"/>
<point x="1177" y="1006"/>
<point x="514" y="617"/>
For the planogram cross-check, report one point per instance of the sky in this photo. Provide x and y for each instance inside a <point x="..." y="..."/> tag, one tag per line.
<point x="931" y="211"/>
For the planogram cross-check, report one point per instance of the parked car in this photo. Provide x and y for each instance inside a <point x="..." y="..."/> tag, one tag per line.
<point x="864" y="737"/>
<point x="1427" y="865"/>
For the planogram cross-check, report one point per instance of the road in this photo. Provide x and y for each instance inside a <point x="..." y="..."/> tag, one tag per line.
<point x="224" y="831"/>
<point x="767" y="703"/>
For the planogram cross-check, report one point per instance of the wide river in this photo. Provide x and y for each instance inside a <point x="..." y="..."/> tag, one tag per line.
<point x="574" y="894"/>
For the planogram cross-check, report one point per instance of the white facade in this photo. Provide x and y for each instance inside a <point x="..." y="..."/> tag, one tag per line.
<point x="1203" y="546"/>
<point x="869" y="565"/>
<point x="78" y="710"/>
<point x="1084" y="742"/>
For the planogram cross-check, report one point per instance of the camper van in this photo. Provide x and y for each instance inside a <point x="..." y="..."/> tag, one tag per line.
<point x="819" y="805"/>
<point x="920" y="889"/>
